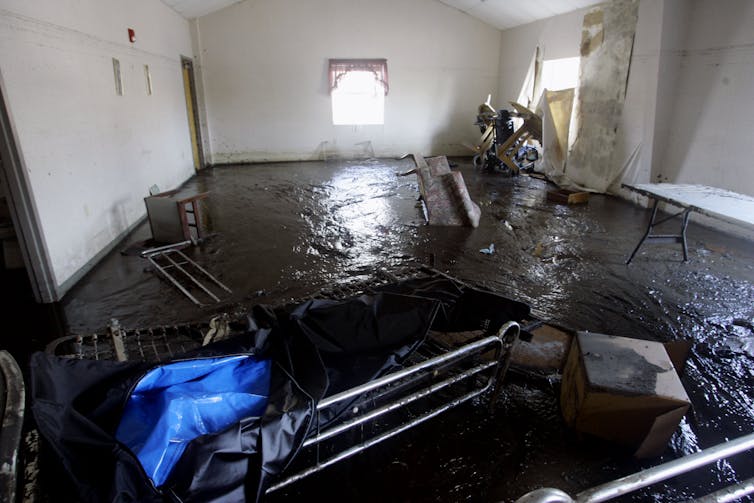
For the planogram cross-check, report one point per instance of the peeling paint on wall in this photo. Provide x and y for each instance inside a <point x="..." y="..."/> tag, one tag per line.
<point x="607" y="42"/>
<point x="593" y="32"/>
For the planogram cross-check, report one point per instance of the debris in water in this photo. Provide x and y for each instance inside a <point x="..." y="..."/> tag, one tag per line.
<point x="488" y="251"/>
<point x="508" y="225"/>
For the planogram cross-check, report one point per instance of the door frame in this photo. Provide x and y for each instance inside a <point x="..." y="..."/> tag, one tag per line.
<point x="23" y="211"/>
<point x="188" y="63"/>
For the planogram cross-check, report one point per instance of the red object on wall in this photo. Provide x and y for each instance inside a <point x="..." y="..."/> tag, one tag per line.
<point x="131" y="35"/>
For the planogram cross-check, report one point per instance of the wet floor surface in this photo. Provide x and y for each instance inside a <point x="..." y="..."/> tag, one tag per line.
<point x="283" y="231"/>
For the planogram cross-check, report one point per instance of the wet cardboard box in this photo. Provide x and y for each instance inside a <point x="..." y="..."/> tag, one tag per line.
<point x="623" y="390"/>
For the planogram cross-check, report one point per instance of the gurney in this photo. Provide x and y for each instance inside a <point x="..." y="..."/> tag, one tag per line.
<point x="442" y="371"/>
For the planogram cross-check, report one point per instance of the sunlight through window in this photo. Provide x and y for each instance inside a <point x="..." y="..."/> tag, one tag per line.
<point x="560" y="74"/>
<point x="359" y="99"/>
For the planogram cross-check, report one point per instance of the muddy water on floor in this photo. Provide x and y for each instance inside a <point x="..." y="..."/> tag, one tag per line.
<point x="287" y="230"/>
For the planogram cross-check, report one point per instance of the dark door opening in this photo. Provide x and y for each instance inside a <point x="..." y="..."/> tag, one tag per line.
<point x="189" y="87"/>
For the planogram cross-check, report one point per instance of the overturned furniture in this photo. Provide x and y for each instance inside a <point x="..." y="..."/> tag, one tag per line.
<point x="364" y="366"/>
<point x="189" y="277"/>
<point x="499" y="143"/>
<point x="444" y="193"/>
<point x="175" y="215"/>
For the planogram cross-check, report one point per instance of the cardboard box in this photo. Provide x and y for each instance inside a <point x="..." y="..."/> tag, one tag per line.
<point x="566" y="196"/>
<point x="623" y="390"/>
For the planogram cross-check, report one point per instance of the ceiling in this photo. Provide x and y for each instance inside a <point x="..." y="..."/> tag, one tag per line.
<point x="197" y="8"/>
<point x="502" y="14"/>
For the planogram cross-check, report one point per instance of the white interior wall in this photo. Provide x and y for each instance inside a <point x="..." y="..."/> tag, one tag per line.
<point x="635" y="138"/>
<point x="264" y="68"/>
<point x="675" y="17"/>
<point x="90" y="156"/>
<point x="710" y="129"/>
<point x="558" y="37"/>
<point x="688" y="106"/>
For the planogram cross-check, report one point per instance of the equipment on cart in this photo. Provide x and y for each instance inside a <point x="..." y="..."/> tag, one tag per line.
<point x="502" y="147"/>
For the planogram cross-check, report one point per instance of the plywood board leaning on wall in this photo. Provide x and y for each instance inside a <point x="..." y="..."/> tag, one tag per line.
<point x="556" y="108"/>
<point x="606" y="47"/>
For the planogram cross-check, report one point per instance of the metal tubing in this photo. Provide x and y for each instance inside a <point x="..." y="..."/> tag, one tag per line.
<point x="665" y="471"/>
<point x="665" y="238"/>
<point x="172" y="280"/>
<point x="347" y="425"/>
<point x="152" y="251"/>
<point x="504" y="358"/>
<point x="728" y="494"/>
<point x="193" y="279"/>
<point x="373" y="441"/>
<point x="545" y="495"/>
<point x="217" y="281"/>
<point x="395" y="376"/>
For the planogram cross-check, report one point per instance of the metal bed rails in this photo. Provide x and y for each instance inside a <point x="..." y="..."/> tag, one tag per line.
<point x="164" y="342"/>
<point x="443" y="372"/>
<point x="438" y="376"/>
<point x="665" y="471"/>
<point x="162" y="261"/>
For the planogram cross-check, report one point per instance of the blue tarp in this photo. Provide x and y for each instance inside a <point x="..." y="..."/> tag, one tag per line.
<point x="176" y="403"/>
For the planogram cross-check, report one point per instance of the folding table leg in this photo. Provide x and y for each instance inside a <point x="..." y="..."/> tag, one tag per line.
<point x="683" y="233"/>
<point x="646" y="234"/>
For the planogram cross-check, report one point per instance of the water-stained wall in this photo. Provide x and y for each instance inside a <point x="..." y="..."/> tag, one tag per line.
<point x="264" y="65"/>
<point x="688" y="110"/>
<point x="91" y="155"/>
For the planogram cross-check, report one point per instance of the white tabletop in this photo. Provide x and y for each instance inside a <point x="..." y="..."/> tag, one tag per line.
<point x="711" y="201"/>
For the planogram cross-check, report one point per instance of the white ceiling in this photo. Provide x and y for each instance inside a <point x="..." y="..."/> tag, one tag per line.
<point x="502" y="14"/>
<point x="197" y="8"/>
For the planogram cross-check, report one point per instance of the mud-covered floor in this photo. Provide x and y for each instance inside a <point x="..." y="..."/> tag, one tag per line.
<point x="283" y="231"/>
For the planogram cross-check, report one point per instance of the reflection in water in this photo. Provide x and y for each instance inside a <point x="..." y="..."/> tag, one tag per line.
<point x="287" y="230"/>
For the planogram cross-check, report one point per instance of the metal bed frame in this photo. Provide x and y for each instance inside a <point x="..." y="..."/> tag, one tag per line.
<point x="444" y="371"/>
<point x="436" y="377"/>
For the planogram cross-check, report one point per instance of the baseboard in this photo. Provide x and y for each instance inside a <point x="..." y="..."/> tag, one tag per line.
<point x="62" y="289"/>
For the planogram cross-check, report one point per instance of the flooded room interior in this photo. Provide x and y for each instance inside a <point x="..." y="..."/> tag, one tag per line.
<point x="377" y="250"/>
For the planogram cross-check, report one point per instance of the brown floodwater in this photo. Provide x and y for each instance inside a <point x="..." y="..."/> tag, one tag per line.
<point x="283" y="231"/>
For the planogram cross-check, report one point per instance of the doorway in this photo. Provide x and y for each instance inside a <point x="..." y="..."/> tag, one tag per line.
<point x="23" y="248"/>
<point x="189" y="87"/>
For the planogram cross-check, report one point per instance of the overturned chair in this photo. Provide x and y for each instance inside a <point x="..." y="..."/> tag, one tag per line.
<point x="446" y="199"/>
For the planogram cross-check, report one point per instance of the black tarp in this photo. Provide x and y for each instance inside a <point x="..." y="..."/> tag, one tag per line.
<point x="318" y="348"/>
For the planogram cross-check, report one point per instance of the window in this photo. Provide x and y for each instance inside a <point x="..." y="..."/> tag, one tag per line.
<point x="118" y="79"/>
<point x="358" y="88"/>
<point x="560" y="74"/>
<point x="148" y="79"/>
